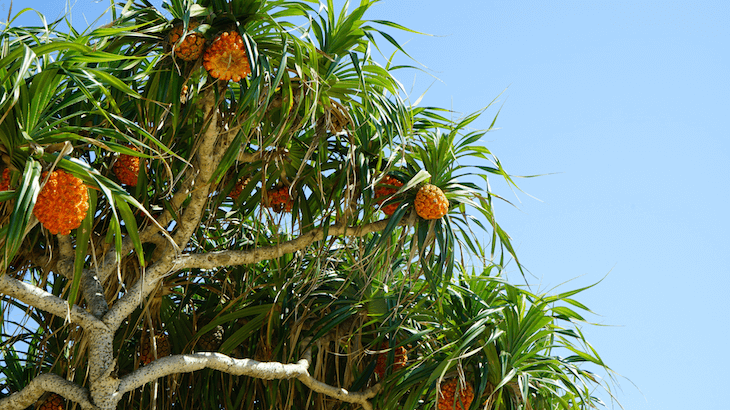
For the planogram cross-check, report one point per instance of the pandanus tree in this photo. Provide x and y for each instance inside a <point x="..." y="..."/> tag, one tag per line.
<point x="231" y="204"/>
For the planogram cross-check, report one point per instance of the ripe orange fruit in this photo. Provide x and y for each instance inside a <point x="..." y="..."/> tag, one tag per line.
<point x="280" y="200"/>
<point x="399" y="360"/>
<point x="62" y="203"/>
<point x="52" y="402"/>
<point x="238" y="188"/>
<point x="385" y="188"/>
<point x="5" y="180"/>
<point x="450" y="400"/>
<point x="431" y="203"/>
<point x="191" y="47"/>
<point x="226" y="58"/>
<point x="126" y="168"/>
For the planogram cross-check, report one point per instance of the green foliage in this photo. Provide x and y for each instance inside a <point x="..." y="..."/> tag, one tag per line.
<point x="320" y="116"/>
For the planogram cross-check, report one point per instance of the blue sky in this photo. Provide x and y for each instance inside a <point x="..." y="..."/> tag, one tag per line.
<point x="625" y="104"/>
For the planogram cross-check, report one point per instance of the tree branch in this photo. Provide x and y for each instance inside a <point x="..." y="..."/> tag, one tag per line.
<point x="43" y="300"/>
<point x="144" y="286"/>
<point x="242" y="367"/>
<point x="243" y="257"/>
<point x="47" y="383"/>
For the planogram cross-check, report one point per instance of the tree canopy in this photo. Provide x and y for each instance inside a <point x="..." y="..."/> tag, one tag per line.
<point x="233" y="204"/>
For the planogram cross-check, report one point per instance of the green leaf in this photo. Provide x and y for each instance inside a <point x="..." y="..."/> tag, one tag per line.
<point x="83" y="233"/>
<point x="26" y="197"/>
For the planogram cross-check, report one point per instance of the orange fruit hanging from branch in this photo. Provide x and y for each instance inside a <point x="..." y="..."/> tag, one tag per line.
<point x="191" y="47"/>
<point x="126" y="168"/>
<point x="226" y="58"/>
<point x="280" y="200"/>
<point x="5" y="180"/>
<point x="431" y="203"/>
<point x="385" y="189"/>
<point x="53" y="402"/>
<point x="62" y="203"/>
<point x="449" y="399"/>
<point x="400" y="360"/>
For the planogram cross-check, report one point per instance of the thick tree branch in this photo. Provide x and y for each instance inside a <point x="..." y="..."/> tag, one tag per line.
<point x="244" y="156"/>
<point x="136" y="293"/>
<point x="243" y="257"/>
<point x="43" y="300"/>
<point x="47" y="383"/>
<point x="242" y="367"/>
<point x="205" y="163"/>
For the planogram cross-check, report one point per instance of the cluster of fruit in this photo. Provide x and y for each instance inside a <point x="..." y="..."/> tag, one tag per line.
<point x="126" y="168"/>
<point x="53" y="402"/>
<point x="62" y="203"/>
<point x="280" y="200"/>
<point x="5" y="180"/>
<point x="400" y="360"/>
<point x="453" y="397"/>
<point x="430" y="203"/>
<point x="388" y="187"/>
<point x="225" y="58"/>
<point x="238" y="188"/>
<point x="146" y="355"/>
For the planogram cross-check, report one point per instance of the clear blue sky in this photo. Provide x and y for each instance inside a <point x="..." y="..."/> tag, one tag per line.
<point x="628" y="103"/>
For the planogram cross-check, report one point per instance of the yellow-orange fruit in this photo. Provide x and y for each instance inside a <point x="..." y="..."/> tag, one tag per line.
<point x="226" y="58"/>
<point x="52" y="402"/>
<point x="400" y="360"/>
<point x="387" y="187"/>
<point x="431" y="203"/>
<point x="450" y="400"/>
<point x="5" y="180"/>
<point x="146" y="356"/>
<point x="238" y="188"/>
<point x="191" y="47"/>
<point x="126" y="168"/>
<point x="62" y="203"/>
<point x="280" y="200"/>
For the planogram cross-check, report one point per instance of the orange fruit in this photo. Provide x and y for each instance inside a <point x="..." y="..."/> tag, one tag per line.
<point x="399" y="360"/>
<point x="238" y="188"/>
<point x="449" y="399"/>
<point x="387" y="187"/>
<point x="5" y="180"/>
<point x="191" y="47"/>
<point x="126" y="168"/>
<point x="52" y="402"/>
<point x="226" y="58"/>
<point x="431" y="203"/>
<point x="280" y="200"/>
<point x="62" y="203"/>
